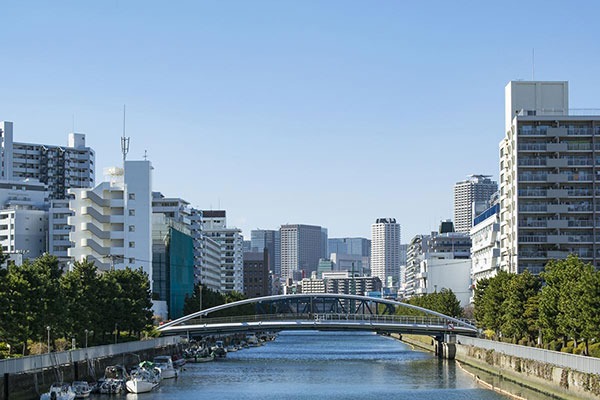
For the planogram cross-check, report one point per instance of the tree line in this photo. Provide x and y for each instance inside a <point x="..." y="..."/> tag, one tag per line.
<point x="560" y="306"/>
<point x="444" y="301"/>
<point x="203" y="298"/>
<point x="38" y="295"/>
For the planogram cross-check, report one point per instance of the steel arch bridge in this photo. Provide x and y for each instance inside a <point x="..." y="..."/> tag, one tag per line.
<point x="319" y="311"/>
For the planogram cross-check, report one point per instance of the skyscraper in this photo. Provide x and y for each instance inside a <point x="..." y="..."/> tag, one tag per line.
<point x="268" y="239"/>
<point x="300" y="249"/>
<point x="357" y="246"/>
<point x="385" y="250"/>
<point x="476" y="188"/>
<point x="548" y="173"/>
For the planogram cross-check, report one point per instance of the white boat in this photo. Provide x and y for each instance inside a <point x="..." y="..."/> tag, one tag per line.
<point x="113" y="381"/>
<point x="82" y="389"/>
<point x="59" y="391"/>
<point x="165" y="364"/>
<point x="143" y="379"/>
<point x="231" y="349"/>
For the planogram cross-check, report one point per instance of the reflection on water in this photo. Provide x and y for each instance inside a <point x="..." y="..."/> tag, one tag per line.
<point x="315" y="365"/>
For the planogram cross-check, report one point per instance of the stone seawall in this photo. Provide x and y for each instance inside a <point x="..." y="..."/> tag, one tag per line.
<point x="549" y="379"/>
<point x="30" y="385"/>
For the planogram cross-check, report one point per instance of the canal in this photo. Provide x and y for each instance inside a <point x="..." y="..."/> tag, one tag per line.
<point x="318" y="365"/>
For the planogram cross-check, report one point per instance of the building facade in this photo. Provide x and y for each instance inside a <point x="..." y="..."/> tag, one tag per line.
<point x="268" y="239"/>
<point x="59" y="167"/>
<point x="214" y="224"/>
<point x="475" y="188"/>
<point x="357" y="246"/>
<point x="301" y="249"/>
<point x="385" y="250"/>
<point x="548" y="172"/>
<point x="256" y="274"/>
<point x="112" y="221"/>
<point x="485" y="247"/>
<point x="210" y="274"/>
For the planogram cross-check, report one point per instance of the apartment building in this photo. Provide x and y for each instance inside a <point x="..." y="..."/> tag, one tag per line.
<point x="112" y="221"/>
<point x="256" y="274"/>
<point x="214" y="225"/>
<point x="210" y="273"/>
<point x="476" y="188"/>
<point x="385" y="251"/>
<point x="548" y="172"/>
<point x="59" y="167"/>
<point x="485" y="247"/>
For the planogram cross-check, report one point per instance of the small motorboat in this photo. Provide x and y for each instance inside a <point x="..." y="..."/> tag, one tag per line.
<point x="165" y="364"/>
<point x="218" y="350"/>
<point x="59" y="391"/>
<point x="82" y="389"/>
<point x="231" y="348"/>
<point x="113" y="381"/>
<point x="145" y="378"/>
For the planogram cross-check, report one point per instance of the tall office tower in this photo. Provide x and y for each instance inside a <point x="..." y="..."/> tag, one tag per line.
<point x="324" y="253"/>
<point x="548" y="173"/>
<point x="357" y="246"/>
<point x="112" y="222"/>
<point x="301" y="248"/>
<point x="385" y="250"/>
<point x="475" y="188"/>
<point x="268" y="239"/>
<point x="60" y="167"/>
<point x="214" y="224"/>
<point x="181" y="212"/>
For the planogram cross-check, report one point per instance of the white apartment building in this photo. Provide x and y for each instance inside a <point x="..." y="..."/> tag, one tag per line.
<point x="112" y="222"/>
<point x="59" y="167"/>
<point x="548" y="173"/>
<point x="59" y="229"/>
<point x="440" y="271"/>
<point x="312" y="285"/>
<point x="210" y="273"/>
<point x="476" y="188"/>
<point x="485" y="246"/>
<point x="385" y="250"/>
<point x="214" y="225"/>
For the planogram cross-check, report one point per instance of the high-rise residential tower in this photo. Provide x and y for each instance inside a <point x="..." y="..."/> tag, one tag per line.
<point x="59" y="167"/>
<point x="214" y="225"/>
<point x="476" y="188"/>
<point x="549" y="169"/>
<point x="301" y="249"/>
<point x="385" y="250"/>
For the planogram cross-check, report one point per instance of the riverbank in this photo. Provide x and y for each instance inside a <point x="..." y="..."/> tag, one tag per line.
<point x="512" y="373"/>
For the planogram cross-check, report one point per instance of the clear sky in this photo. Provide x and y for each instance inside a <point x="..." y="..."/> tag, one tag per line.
<point x="320" y="112"/>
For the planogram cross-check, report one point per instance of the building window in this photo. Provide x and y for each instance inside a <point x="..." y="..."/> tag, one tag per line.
<point x="131" y="213"/>
<point x="131" y="196"/>
<point x="131" y="260"/>
<point x="131" y="228"/>
<point x="131" y="245"/>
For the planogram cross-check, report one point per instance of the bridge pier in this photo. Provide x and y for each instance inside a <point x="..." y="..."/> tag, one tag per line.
<point x="444" y="347"/>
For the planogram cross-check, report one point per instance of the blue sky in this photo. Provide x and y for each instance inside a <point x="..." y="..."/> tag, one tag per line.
<point x="320" y="112"/>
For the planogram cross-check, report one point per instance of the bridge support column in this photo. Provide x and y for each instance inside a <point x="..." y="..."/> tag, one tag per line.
<point x="445" y="349"/>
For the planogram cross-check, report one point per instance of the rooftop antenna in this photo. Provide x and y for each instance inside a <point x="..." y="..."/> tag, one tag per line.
<point x="145" y="155"/>
<point x="533" y="64"/>
<point x="124" y="140"/>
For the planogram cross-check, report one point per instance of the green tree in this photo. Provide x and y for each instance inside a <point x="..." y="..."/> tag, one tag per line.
<point x="518" y="289"/>
<point x="480" y="289"/>
<point x="492" y="300"/>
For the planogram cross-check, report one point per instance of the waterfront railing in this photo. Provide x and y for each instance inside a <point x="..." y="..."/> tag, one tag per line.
<point x="577" y="362"/>
<point x="55" y="359"/>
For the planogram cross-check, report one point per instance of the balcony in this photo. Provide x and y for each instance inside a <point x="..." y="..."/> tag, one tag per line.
<point x="533" y="224"/>
<point x="558" y="178"/>
<point x="556" y="132"/>
<point x="533" y="192"/>
<point x="532" y="238"/>
<point x="557" y="254"/>
<point x="557" y="147"/>
<point x="557" y="193"/>
<point x="541" y="177"/>
<point x="558" y="208"/>
<point x="557" y="239"/>
<point x="579" y="146"/>
<point x="533" y="147"/>
<point x="557" y="162"/>
<point x="533" y="208"/>
<point x="558" y="223"/>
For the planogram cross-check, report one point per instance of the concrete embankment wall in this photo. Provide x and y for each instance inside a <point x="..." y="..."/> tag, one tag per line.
<point x="30" y="384"/>
<point x="555" y="381"/>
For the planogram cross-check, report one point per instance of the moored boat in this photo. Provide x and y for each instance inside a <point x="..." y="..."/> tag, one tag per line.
<point x="165" y="364"/>
<point x="145" y="378"/>
<point x="113" y="381"/>
<point x="59" y="391"/>
<point x="82" y="389"/>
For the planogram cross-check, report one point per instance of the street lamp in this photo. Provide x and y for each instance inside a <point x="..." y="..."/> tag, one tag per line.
<point x="116" y="333"/>
<point x="48" y="329"/>
<point x="86" y="336"/>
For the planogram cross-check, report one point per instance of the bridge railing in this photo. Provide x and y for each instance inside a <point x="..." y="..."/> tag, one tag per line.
<point x="392" y="319"/>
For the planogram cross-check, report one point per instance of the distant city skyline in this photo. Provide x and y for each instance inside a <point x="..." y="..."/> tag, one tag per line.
<point x="307" y="110"/>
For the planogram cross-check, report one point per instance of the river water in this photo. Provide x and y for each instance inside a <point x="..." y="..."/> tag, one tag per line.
<point x="319" y="365"/>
